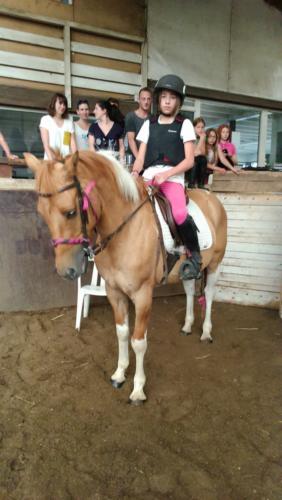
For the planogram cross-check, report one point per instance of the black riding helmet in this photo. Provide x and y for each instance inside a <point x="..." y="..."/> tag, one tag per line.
<point x="171" y="82"/>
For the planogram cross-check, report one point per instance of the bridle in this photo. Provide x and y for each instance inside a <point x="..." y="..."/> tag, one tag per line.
<point x="84" y="204"/>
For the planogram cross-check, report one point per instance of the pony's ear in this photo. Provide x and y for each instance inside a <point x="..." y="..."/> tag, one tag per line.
<point x="32" y="162"/>
<point x="71" y="163"/>
<point x="74" y="159"/>
<point x="57" y="155"/>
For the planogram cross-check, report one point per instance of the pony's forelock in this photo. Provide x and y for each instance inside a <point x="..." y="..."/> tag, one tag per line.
<point x="125" y="181"/>
<point x="45" y="182"/>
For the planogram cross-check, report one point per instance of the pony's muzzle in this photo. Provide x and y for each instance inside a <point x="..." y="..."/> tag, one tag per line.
<point x="72" y="265"/>
<point x="71" y="274"/>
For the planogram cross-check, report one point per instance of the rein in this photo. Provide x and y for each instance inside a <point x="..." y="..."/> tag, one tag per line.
<point x="98" y="248"/>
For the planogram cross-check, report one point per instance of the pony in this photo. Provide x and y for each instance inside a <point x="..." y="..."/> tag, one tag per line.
<point x="89" y="194"/>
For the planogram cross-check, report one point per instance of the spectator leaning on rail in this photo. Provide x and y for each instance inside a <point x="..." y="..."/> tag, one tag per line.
<point x="135" y="119"/>
<point x="166" y="151"/>
<point x="57" y="131"/>
<point x="228" y="148"/>
<point x="81" y="127"/>
<point x="6" y="148"/>
<point x="214" y="155"/>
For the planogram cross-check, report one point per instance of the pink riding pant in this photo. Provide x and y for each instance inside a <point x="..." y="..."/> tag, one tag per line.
<point x="175" y="194"/>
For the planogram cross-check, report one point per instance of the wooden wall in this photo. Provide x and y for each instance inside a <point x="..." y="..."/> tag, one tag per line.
<point x="127" y="16"/>
<point x="88" y="49"/>
<point x="251" y="272"/>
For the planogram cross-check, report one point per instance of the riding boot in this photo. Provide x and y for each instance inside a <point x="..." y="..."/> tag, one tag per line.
<point x="191" y="267"/>
<point x="202" y="172"/>
<point x="190" y="176"/>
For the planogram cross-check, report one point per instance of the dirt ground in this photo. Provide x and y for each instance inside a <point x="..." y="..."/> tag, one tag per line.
<point x="211" y="428"/>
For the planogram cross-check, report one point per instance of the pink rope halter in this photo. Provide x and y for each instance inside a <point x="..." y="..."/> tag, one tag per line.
<point x="84" y="204"/>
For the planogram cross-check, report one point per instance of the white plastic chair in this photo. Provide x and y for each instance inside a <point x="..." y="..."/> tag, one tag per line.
<point x="96" y="287"/>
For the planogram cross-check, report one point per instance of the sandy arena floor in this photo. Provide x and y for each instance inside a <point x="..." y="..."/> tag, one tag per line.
<point x="211" y="429"/>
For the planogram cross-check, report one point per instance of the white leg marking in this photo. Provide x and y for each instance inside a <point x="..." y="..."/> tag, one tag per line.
<point x="123" y="359"/>
<point x="209" y="293"/>
<point x="139" y="347"/>
<point x="189" y="287"/>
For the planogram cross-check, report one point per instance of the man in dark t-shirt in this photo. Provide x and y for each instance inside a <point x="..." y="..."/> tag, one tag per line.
<point x="135" y="119"/>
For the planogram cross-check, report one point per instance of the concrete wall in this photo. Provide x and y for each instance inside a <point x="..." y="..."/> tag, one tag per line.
<point x="228" y="45"/>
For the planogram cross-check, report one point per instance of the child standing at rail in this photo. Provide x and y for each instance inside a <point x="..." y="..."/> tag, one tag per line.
<point x="166" y="151"/>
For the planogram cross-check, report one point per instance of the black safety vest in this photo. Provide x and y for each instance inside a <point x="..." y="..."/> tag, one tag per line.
<point x="165" y="145"/>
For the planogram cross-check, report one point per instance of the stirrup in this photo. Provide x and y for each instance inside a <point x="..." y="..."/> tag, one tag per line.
<point x="190" y="269"/>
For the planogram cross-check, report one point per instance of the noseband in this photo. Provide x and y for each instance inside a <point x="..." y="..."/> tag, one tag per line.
<point x="84" y="204"/>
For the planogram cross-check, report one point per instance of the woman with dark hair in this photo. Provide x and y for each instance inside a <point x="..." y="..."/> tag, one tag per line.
<point x="106" y="133"/>
<point x="56" y="130"/>
<point x="117" y="115"/>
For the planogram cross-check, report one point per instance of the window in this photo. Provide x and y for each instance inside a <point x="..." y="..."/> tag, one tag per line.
<point x="274" y="140"/>
<point x="244" y="122"/>
<point x="21" y="131"/>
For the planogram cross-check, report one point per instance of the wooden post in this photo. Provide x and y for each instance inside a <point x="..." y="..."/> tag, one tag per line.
<point x="67" y="63"/>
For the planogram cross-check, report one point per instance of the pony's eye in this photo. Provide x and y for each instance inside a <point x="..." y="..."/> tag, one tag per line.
<point x="70" y="214"/>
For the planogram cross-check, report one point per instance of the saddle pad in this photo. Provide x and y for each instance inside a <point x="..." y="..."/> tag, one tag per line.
<point x="204" y="234"/>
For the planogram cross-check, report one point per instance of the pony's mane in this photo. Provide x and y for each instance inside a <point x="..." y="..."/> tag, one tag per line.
<point x="46" y="183"/>
<point x="126" y="183"/>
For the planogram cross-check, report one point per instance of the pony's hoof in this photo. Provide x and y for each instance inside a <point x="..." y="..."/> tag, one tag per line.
<point x="136" y="402"/>
<point x="115" y="384"/>
<point x="185" y="334"/>
<point x="208" y="340"/>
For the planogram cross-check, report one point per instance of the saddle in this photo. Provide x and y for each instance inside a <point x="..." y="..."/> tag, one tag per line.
<point x="171" y="243"/>
<point x="165" y="209"/>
